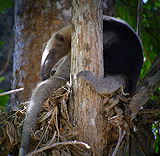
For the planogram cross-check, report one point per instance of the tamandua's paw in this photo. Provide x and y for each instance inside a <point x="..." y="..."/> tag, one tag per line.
<point x="107" y="85"/>
<point x="85" y="75"/>
<point x="88" y="78"/>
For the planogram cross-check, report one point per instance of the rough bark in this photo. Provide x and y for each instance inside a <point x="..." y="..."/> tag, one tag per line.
<point x="87" y="54"/>
<point x="35" y="22"/>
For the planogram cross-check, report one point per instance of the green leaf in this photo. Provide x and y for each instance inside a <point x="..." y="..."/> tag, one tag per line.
<point x="6" y="3"/>
<point x="1" y="42"/>
<point x="3" y="99"/>
<point x="157" y="144"/>
<point x="2" y="9"/>
<point x="2" y="78"/>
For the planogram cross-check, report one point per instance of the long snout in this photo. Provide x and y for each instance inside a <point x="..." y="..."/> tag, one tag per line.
<point x="49" y="60"/>
<point x="57" y="47"/>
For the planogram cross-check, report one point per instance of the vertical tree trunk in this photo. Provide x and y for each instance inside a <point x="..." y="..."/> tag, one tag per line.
<point x="87" y="54"/>
<point x="35" y="21"/>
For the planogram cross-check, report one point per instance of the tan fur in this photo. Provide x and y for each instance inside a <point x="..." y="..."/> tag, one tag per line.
<point x="60" y="48"/>
<point x="57" y="47"/>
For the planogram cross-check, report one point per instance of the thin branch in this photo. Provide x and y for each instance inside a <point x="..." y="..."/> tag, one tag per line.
<point x="149" y="32"/>
<point x="8" y="117"/>
<point x="147" y="55"/>
<point x="139" y="18"/>
<point x="118" y="144"/>
<point x="57" y="144"/>
<point x="8" y="56"/>
<point x="128" y="5"/>
<point x="135" y="8"/>
<point x="11" y="91"/>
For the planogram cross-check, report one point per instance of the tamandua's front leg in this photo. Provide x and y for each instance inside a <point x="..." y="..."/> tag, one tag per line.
<point x="107" y="85"/>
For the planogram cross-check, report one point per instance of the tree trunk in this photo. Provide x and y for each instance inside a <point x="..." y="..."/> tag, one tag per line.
<point x="35" y="21"/>
<point x="87" y="54"/>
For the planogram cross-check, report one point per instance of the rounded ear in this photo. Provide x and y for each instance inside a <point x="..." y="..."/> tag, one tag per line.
<point x="59" y="37"/>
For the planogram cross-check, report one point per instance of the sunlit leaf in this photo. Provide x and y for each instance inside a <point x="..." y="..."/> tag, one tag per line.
<point x="2" y="78"/>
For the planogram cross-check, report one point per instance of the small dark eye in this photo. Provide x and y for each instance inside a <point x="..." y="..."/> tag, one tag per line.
<point x="53" y="72"/>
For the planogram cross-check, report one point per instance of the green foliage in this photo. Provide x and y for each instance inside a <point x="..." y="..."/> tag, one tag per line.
<point x="3" y="99"/>
<point x="150" y="37"/>
<point x="4" y="5"/>
<point x="150" y="27"/>
<point x="2" y="78"/>
<point x="156" y="128"/>
<point x="1" y="43"/>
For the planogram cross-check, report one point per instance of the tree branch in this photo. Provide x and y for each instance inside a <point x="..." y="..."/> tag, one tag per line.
<point x="147" y="55"/>
<point x="145" y="90"/>
<point x="139" y="18"/>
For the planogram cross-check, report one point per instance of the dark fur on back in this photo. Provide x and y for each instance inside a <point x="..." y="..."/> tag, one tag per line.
<point x="122" y="51"/>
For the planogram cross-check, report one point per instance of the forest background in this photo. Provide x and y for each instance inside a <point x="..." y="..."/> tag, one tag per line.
<point x="126" y="10"/>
